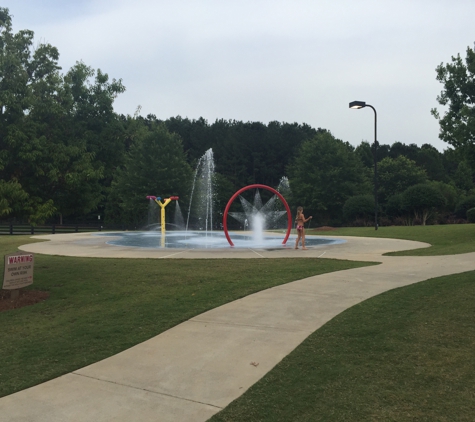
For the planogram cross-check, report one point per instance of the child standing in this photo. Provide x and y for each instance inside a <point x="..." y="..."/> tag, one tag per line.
<point x="301" y="220"/>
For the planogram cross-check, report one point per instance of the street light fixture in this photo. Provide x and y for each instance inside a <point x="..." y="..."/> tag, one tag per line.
<point x="357" y="105"/>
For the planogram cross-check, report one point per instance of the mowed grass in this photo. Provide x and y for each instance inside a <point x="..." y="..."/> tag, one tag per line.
<point x="405" y="355"/>
<point x="446" y="239"/>
<point x="99" y="307"/>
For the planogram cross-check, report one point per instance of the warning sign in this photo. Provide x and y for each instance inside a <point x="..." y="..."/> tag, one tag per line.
<point x="18" y="270"/>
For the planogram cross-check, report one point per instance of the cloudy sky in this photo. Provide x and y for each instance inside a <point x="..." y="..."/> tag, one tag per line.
<point x="259" y="60"/>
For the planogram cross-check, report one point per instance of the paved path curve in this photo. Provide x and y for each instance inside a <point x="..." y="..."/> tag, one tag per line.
<point x="195" y="369"/>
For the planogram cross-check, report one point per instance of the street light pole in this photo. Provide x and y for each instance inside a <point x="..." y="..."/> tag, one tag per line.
<point x="361" y="104"/>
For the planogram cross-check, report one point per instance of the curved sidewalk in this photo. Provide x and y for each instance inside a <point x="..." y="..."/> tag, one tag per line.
<point x="193" y="370"/>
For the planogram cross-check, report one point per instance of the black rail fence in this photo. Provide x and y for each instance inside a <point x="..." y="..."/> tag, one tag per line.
<point x="19" y="229"/>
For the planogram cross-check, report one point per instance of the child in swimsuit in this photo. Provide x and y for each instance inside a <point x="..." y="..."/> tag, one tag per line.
<point x="301" y="220"/>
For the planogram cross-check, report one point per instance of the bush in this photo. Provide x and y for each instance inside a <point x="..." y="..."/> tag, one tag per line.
<point x="471" y="215"/>
<point x="422" y="200"/>
<point x="464" y="205"/>
<point x="450" y="194"/>
<point x="359" y="207"/>
<point x="395" y="207"/>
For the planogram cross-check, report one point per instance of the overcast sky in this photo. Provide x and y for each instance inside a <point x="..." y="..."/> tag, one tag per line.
<point x="259" y="60"/>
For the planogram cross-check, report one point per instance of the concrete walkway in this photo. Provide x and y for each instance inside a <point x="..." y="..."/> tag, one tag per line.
<point x="195" y="369"/>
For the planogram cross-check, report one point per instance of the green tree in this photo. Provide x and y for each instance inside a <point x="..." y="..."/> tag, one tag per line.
<point x="450" y="193"/>
<point x="431" y="160"/>
<point x="422" y="200"/>
<point x="464" y="204"/>
<point x="12" y="197"/>
<point x="395" y="175"/>
<point x="463" y="177"/>
<point x="26" y="77"/>
<point x="155" y="165"/>
<point x="324" y="174"/>
<point x="394" y="209"/>
<point x="92" y="95"/>
<point x="409" y="151"/>
<point x="57" y="133"/>
<point x="92" y="124"/>
<point x="457" y="125"/>
<point x="365" y="153"/>
<point x="245" y="152"/>
<point x="359" y="207"/>
<point x="426" y="157"/>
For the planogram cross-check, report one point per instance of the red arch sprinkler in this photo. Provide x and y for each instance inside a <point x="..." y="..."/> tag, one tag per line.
<point x="256" y="186"/>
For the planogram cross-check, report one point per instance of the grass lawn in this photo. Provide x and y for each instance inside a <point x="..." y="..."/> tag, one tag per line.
<point x="445" y="239"/>
<point x="99" y="307"/>
<point x="405" y="355"/>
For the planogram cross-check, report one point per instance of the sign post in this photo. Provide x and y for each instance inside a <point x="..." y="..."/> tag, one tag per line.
<point x="18" y="272"/>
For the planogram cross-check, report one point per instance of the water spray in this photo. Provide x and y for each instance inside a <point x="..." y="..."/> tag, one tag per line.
<point x="256" y="186"/>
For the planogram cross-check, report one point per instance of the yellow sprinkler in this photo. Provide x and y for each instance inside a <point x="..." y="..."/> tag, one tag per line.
<point x="163" y="204"/>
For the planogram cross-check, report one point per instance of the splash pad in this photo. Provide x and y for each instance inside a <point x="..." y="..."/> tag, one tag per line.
<point x="213" y="240"/>
<point x="255" y="219"/>
<point x="252" y="226"/>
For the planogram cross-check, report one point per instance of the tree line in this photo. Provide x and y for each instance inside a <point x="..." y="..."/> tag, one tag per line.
<point x="66" y="156"/>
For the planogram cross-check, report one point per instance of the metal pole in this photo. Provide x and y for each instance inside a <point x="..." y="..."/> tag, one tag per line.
<point x="375" y="159"/>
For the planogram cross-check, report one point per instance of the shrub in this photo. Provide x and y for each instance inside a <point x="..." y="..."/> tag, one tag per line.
<point x="464" y="205"/>
<point x="359" y="207"/>
<point x="471" y="215"/>
<point x="395" y="207"/>
<point x="422" y="200"/>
